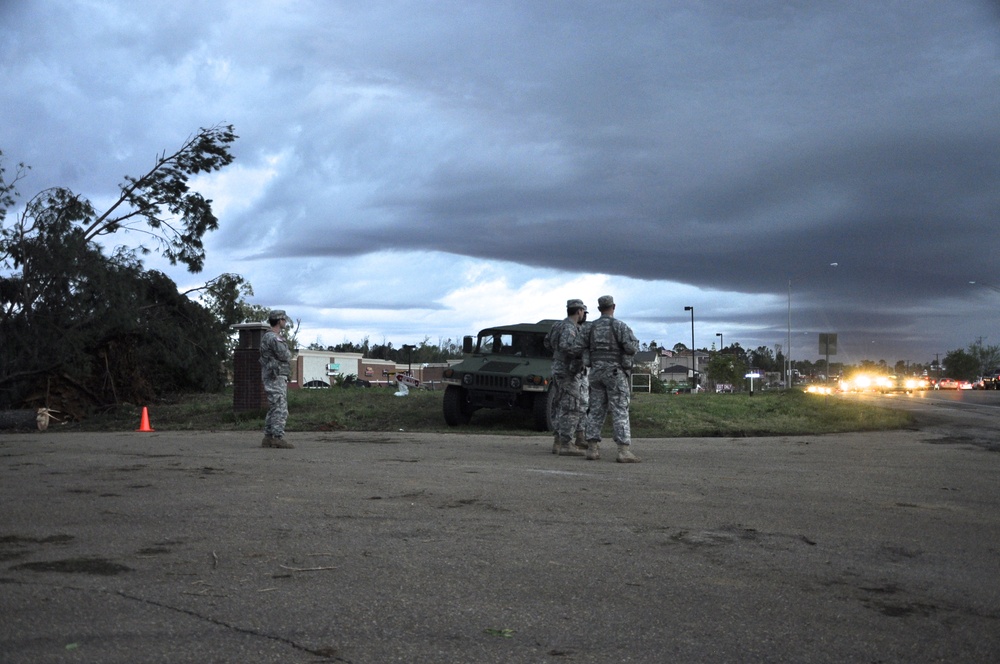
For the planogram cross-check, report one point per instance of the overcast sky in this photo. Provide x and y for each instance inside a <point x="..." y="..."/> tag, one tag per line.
<point x="411" y="170"/>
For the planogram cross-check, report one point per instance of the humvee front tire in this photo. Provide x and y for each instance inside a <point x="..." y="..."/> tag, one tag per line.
<point x="456" y="409"/>
<point x="541" y="410"/>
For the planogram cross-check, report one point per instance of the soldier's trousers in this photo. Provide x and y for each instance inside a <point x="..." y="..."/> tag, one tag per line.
<point x="609" y="391"/>
<point x="570" y="410"/>
<point x="277" y="411"/>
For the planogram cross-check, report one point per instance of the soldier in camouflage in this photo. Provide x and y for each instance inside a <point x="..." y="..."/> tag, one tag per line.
<point x="612" y="346"/>
<point x="569" y="378"/>
<point x="274" y="371"/>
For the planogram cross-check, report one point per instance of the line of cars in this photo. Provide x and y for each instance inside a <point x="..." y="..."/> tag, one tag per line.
<point x="859" y="382"/>
<point x="868" y="382"/>
<point x="886" y="383"/>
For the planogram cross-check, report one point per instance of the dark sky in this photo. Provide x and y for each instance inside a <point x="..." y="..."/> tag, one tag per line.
<point x="414" y="170"/>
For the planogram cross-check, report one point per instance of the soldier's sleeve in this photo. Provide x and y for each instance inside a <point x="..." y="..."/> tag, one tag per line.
<point x="581" y="343"/>
<point x="547" y="343"/>
<point x="566" y="341"/>
<point x="630" y="345"/>
<point x="267" y="361"/>
<point x="281" y="350"/>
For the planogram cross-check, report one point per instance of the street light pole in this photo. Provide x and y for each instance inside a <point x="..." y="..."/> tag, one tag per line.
<point x="691" y="309"/>
<point x="788" y="353"/>
<point x="722" y="341"/>
<point x="409" y="358"/>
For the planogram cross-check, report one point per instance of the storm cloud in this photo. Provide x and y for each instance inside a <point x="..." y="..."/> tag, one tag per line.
<point x="412" y="169"/>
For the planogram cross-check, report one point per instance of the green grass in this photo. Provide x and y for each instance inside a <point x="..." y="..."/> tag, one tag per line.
<point x="652" y="415"/>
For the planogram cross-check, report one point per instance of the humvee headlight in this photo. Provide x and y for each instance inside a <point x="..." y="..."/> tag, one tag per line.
<point x="515" y="383"/>
<point x="467" y="379"/>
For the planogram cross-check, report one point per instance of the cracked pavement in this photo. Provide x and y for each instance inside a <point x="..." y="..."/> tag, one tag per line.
<point x="403" y="547"/>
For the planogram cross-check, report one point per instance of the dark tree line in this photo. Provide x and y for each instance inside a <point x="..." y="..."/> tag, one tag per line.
<point x="84" y="330"/>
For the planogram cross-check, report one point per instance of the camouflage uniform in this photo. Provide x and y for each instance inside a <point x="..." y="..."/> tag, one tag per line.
<point x="570" y="378"/>
<point x="550" y="343"/>
<point x="611" y="344"/>
<point x="274" y="371"/>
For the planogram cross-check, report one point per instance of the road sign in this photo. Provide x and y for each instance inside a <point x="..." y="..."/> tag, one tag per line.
<point x="409" y="381"/>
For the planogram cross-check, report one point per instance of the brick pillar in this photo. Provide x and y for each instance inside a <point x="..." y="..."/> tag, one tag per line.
<point x="248" y="388"/>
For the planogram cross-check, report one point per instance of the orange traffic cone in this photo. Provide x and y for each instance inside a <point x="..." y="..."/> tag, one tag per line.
<point x="144" y="424"/>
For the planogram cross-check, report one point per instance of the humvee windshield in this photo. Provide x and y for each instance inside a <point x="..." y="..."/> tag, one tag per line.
<point x="514" y="344"/>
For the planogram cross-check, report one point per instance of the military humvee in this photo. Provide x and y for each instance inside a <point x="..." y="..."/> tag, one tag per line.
<point x="504" y="367"/>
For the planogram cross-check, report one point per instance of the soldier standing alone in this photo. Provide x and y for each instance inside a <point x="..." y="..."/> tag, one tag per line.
<point x="612" y="345"/>
<point x="274" y="371"/>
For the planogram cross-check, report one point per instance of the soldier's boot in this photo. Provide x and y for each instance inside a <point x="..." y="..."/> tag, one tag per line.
<point x="267" y="440"/>
<point x="625" y="455"/>
<point x="565" y="449"/>
<point x="581" y="441"/>
<point x="593" y="451"/>
<point x="555" y="443"/>
<point x="281" y="443"/>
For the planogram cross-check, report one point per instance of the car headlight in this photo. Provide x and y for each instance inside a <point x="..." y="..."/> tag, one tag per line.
<point x="515" y="383"/>
<point x="467" y="379"/>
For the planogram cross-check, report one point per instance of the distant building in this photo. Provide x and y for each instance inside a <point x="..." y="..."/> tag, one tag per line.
<point x="647" y="361"/>
<point x="670" y="366"/>
<point x="322" y="368"/>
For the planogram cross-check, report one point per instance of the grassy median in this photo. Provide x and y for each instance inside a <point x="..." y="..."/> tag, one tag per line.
<point x="653" y="415"/>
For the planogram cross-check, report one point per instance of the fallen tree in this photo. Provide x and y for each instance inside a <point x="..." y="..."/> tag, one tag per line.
<point x="83" y="330"/>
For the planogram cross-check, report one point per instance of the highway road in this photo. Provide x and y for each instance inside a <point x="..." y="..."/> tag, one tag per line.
<point x="972" y="415"/>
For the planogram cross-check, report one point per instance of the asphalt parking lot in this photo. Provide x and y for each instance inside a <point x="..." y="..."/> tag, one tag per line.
<point x="400" y="547"/>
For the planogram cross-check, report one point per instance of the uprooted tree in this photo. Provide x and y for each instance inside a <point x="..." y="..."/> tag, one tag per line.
<point x="83" y="330"/>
